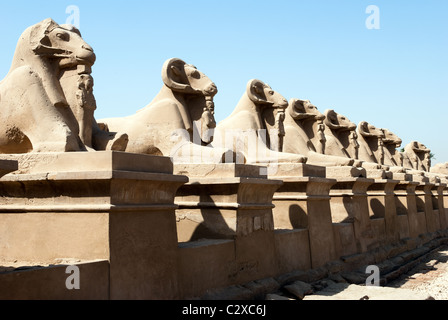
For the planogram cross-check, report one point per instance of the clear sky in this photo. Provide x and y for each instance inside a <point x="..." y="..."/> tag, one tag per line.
<point x="394" y="77"/>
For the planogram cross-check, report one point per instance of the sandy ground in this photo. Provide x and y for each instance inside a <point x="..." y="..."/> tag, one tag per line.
<point x="429" y="277"/>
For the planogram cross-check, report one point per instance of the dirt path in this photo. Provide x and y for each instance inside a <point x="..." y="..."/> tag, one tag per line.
<point x="428" y="280"/>
<point x="430" y="276"/>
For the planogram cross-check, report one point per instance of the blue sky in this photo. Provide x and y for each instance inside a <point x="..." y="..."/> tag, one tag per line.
<point x="395" y="77"/>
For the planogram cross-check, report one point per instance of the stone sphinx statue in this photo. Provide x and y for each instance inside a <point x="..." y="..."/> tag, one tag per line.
<point x="179" y="122"/>
<point x="36" y="106"/>
<point x="305" y="134"/>
<point x="342" y="139"/>
<point x="440" y="168"/>
<point x="392" y="157"/>
<point x="255" y="128"/>
<point x="371" y="145"/>
<point x="370" y="140"/>
<point x="77" y="84"/>
<point x="341" y="136"/>
<point x="417" y="157"/>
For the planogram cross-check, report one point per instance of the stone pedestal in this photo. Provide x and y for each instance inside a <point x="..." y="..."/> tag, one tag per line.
<point x="342" y="172"/>
<point x="101" y="205"/>
<point x="230" y="201"/>
<point x="349" y="205"/>
<point x="401" y="203"/>
<point x="439" y="202"/>
<point x="425" y="204"/>
<point x="444" y="181"/>
<point x="437" y="205"/>
<point x="303" y="202"/>
<point x="405" y="197"/>
<point x="382" y="210"/>
<point x="378" y="174"/>
<point x="418" y="205"/>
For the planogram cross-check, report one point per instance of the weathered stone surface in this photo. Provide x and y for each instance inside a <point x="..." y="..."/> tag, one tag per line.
<point x="342" y="172"/>
<point x="217" y="172"/>
<point x="409" y="255"/>
<point x="226" y="201"/>
<point x="106" y="212"/>
<point x="303" y="203"/>
<point x="317" y="274"/>
<point x="66" y="162"/>
<point x="334" y="266"/>
<point x="237" y="292"/>
<point x="337" y="278"/>
<point x="354" y="277"/>
<point x="397" y="260"/>
<point x="299" y="289"/>
<point x="322" y="284"/>
<point x="273" y="296"/>
<point x="386" y="266"/>
<point x="295" y="170"/>
<point x="262" y="287"/>
<point x="48" y="282"/>
<point x="290" y="277"/>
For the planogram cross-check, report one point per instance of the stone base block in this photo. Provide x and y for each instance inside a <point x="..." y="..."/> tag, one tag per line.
<point x="345" y="172"/>
<point x="102" y="205"/>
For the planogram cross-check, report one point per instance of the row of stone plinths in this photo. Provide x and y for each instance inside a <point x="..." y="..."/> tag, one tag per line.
<point x="171" y="232"/>
<point x="315" y="219"/>
<point x="358" y="210"/>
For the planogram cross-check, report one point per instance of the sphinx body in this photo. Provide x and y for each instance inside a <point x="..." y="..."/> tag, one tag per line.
<point x="340" y="134"/>
<point x="392" y="157"/>
<point x="417" y="157"/>
<point x="77" y="85"/>
<point x="305" y="134"/>
<point x="378" y="145"/>
<point x="36" y="114"/>
<point x="179" y="122"/>
<point x="255" y="127"/>
<point x="440" y="168"/>
<point x="35" y="104"/>
<point x="370" y="140"/>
